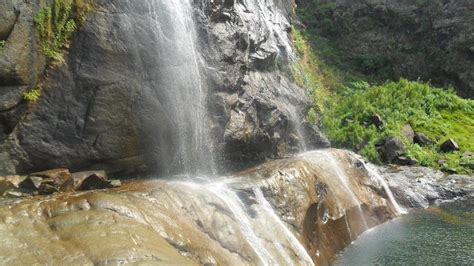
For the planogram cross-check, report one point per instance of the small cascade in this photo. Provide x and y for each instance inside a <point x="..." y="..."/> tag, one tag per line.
<point x="344" y="181"/>
<point x="237" y="208"/>
<point x="295" y="244"/>
<point x="294" y="118"/>
<point x="181" y="88"/>
<point x="263" y="230"/>
<point x="375" y="175"/>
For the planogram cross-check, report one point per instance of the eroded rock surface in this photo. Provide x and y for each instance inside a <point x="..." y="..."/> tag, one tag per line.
<point x="299" y="211"/>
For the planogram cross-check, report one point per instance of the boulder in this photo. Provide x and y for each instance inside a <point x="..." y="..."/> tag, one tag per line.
<point x="404" y="160"/>
<point x="5" y="185"/>
<point x="422" y="140"/>
<point x="408" y="132"/>
<point x="376" y="120"/>
<point x="467" y="154"/>
<point x="55" y="176"/>
<point x="449" y="145"/>
<point x="30" y="183"/>
<point x="90" y="180"/>
<point x="390" y="148"/>
<point x="314" y="137"/>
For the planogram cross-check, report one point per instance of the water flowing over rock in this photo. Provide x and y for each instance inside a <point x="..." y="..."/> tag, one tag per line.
<point x="146" y="85"/>
<point x="296" y="211"/>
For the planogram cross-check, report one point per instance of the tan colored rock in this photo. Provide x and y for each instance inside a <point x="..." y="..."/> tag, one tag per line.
<point x="302" y="203"/>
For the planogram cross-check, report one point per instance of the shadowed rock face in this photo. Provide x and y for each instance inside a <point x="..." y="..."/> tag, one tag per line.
<point x="431" y="40"/>
<point x="298" y="211"/>
<point x="108" y="105"/>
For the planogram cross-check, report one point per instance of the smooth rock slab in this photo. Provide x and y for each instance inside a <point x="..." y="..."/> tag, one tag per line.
<point x="300" y="210"/>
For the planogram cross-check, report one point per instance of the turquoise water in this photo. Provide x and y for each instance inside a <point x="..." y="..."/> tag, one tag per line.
<point x="436" y="236"/>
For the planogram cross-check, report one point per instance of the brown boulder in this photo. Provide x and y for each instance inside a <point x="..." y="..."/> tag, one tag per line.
<point x="90" y="180"/>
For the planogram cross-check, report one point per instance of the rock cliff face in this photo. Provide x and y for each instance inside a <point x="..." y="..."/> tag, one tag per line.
<point x="103" y="106"/>
<point x="431" y="40"/>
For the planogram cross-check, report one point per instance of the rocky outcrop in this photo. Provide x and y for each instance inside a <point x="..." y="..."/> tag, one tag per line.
<point x="301" y="210"/>
<point x="419" y="187"/>
<point x="102" y="108"/>
<point x="431" y="40"/>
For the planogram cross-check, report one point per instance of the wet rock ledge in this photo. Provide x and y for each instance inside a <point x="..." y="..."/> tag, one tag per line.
<point x="54" y="181"/>
<point x="300" y="211"/>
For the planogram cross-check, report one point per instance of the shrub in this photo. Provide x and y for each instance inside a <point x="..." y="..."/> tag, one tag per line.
<point x="32" y="95"/>
<point x="437" y="113"/>
<point x="56" y="23"/>
<point x="2" y="45"/>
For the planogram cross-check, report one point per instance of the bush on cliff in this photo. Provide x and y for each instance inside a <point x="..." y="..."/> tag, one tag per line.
<point x="56" y="23"/>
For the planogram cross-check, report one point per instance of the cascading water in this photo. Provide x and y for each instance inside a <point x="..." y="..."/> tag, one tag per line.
<point x="344" y="181"/>
<point x="263" y="230"/>
<point x="373" y="173"/>
<point x="181" y="87"/>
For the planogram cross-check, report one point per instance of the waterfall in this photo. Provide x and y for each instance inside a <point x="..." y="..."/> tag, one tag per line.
<point x="374" y="174"/>
<point x="181" y="88"/>
<point x="344" y="181"/>
<point x="265" y="233"/>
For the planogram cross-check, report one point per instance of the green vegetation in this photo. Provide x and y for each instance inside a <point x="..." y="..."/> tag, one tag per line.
<point x="437" y="113"/>
<point x="2" y="45"/>
<point x="344" y="101"/>
<point x="32" y="95"/>
<point x="56" y="23"/>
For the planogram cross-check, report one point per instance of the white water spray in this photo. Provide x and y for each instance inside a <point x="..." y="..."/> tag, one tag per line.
<point x="181" y="88"/>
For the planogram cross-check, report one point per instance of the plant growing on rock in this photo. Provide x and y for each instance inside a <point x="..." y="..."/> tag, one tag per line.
<point x="437" y="113"/>
<point x="2" y="45"/>
<point x="56" y="23"/>
<point x="32" y="95"/>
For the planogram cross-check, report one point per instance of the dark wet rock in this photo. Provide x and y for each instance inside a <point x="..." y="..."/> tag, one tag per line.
<point x="30" y="183"/>
<point x="94" y="112"/>
<point x="79" y="177"/>
<point x="90" y="180"/>
<point x="408" y="132"/>
<point x="390" y="148"/>
<point x="427" y="40"/>
<point x="449" y="145"/>
<point x="422" y="140"/>
<point x="93" y="182"/>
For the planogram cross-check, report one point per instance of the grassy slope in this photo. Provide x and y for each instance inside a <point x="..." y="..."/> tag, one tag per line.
<point x="341" y="96"/>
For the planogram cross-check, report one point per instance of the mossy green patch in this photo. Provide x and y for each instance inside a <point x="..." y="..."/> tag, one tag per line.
<point x="56" y="23"/>
<point x="437" y="113"/>
<point x="32" y="95"/>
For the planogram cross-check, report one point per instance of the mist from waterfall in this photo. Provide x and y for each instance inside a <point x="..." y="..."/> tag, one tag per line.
<point x="182" y="89"/>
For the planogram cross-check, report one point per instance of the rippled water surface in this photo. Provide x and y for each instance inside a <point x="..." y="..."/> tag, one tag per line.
<point x="437" y="236"/>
